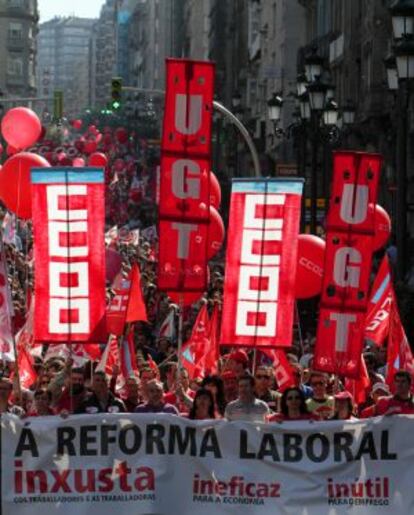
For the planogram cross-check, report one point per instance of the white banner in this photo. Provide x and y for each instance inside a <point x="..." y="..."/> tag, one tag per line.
<point x="166" y="465"/>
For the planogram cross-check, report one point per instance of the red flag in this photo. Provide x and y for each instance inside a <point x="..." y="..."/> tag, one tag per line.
<point x="136" y="305"/>
<point x="283" y="370"/>
<point x="89" y="351"/>
<point x="399" y="354"/>
<point x="193" y="351"/>
<point x="110" y="356"/>
<point x="359" y="387"/>
<point x="25" y="369"/>
<point x="128" y="304"/>
<point x="211" y="352"/>
<point x="378" y="317"/>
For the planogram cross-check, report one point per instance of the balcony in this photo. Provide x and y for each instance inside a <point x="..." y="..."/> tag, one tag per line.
<point x="15" y="42"/>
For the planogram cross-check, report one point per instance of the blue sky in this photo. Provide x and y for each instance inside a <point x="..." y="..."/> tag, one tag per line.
<point x="82" y="8"/>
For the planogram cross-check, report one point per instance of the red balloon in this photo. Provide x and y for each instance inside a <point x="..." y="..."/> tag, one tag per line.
<point x="21" y="127"/>
<point x="78" y="162"/>
<point x="77" y="124"/>
<point x="98" y="159"/>
<point x="215" y="191"/>
<point x="310" y="265"/>
<point x="15" y="183"/>
<point x="382" y="227"/>
<point x="90" y="147"/>
<point x="215" y="233"/>
<point x="121" y="135"/>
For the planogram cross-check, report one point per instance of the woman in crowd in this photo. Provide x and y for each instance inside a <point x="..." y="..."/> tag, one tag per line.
<point x="292" y="407"/>
<point x="41" y="405"/>
<point x="203" y="405"/>
<point x="344" y="406"/>
<point x="215" y="385"/>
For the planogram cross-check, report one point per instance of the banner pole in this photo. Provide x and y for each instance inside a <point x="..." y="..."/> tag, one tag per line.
<point x="180" y="333"/>
<point x="299" y="327"/>
<point x="254" y="361"/>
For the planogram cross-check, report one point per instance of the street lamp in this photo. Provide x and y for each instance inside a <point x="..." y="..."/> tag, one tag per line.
<point x="313" y="66"/>
<point x="392" y="75"/>
<point x="304" y="105"/>
<point x="274" y="107"/>
<point x="330" y="114"/>
<point x="348" y="113"/>
<point x="402" y="12"/>
<point x="301" y="84"/>
<point x="317" y="94"/>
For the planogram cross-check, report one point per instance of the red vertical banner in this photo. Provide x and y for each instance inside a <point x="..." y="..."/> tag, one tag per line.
<point x="259" y="289"/>
<point x="69" y="252"/>
<point x="184" y="204"/>
<point x="349" y="249"/>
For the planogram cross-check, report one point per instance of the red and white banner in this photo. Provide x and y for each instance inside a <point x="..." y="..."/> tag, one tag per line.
<point x="349" y="248"/>
<point x="184" y="204"/>
<point x="163" y="464"/>
<point x="283" y="369"/>
<point x="68" y="230"/>
<point x="195" y="350"/>
<point x="259" y="289"/>
<point x="378" y="316"/>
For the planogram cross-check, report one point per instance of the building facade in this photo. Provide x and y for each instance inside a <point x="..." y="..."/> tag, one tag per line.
<point x="18" y="30"/>
<point x="63" y="61"/>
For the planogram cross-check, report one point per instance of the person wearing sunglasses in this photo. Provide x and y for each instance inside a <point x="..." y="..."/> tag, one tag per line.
<point x="292" y="407"/>
<point x="320" y="404"/>
<point x="263" y="382"/>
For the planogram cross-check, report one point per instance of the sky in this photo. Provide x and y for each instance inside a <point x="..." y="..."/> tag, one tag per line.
<point x="83" y="8"/>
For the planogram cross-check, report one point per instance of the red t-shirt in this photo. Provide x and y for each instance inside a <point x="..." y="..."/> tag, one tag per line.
<point x="395" y="406"/>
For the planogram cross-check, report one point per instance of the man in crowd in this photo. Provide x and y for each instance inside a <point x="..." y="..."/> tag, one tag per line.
<point x="231" y="389"/>
<point x="101" y="400"/>
<point x="6" y="388"/>
<point x="378" y="391"/>
<point x="263" y="381"/>
<point x="73" y="393"/>
<point x="180" y="394"/>
<point x="402" y="402"/>
<point x="246" y="406"/>
<point x="237" y="362"/>
<point x="320" y="404"/>
<point x="131" y="397"/>
<point x="297" y="372"/>
<point x="155" y="402"/>
<point x="146" y="374"/>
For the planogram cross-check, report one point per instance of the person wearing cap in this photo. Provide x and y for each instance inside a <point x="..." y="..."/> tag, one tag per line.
<point x="378" y="391"/>
<point x="344" y="406"/>
<point x="402" y="402"/>
<point x="320" y="404"/>
<point x="237" y="362"/>
<point x="246" y="407"/>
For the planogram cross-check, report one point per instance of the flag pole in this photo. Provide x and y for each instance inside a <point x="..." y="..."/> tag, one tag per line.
<point x="180" y="333"/>
<point x="299" y="327"/>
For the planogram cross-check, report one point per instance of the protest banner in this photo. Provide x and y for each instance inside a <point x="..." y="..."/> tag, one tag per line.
<point x="259" y="288"/>
<point x="162" y="464"/>
<point x="68" y="230"/>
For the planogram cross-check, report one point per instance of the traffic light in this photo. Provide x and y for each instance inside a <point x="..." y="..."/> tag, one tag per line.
<point x="116" y="93"/>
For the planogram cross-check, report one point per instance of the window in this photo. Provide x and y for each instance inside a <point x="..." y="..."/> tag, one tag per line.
<point x="15" y="30"/>
<point x="15" y="66"/>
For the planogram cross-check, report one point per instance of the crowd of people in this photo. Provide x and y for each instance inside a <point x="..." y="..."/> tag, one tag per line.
<point x="244" y="386"/>
<point x="234" y="394"/>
